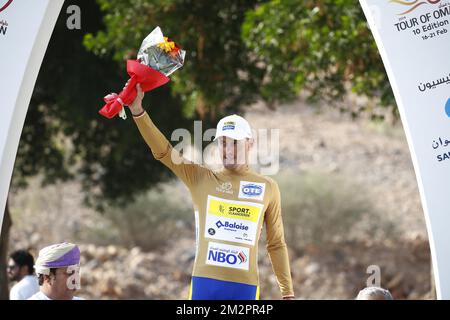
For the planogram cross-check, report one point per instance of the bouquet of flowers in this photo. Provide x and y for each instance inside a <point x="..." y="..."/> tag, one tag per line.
<point x="158" y="58"/>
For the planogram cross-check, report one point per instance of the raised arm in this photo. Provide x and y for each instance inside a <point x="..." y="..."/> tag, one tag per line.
<point x="160" y="147"/>
<point x="276" y="245"/>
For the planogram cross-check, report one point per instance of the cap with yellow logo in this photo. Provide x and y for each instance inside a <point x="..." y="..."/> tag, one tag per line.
<point x="234" y="127"/>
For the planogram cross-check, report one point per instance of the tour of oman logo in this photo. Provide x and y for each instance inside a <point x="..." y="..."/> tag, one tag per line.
<point x="3" y="23"/>
<point x="413" y="4"/>
<point x="4" y="4"/>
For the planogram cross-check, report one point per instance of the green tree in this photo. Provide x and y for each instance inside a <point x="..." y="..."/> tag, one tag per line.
<point x="218" y="76"/>
<point x="64" y="137"/>
<point x="324" y="48"/>
<point x="240" y="51"/>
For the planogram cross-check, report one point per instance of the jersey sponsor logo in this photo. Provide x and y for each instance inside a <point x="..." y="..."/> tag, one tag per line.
<point x="231" y="226"/>
<point x="235" y="221"/>
<point x="225" y="187"/>
<point x="228" y="256"/>
<point x="251" y="190"/>
<point x="234" y="209"/>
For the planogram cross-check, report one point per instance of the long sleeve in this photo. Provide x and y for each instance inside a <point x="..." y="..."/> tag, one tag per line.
<point x="276" y="245"/>
<point x="162" y="150"/>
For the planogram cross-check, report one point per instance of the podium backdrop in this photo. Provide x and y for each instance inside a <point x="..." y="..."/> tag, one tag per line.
<point x="413" y="37"/>
<point x="25" y="29"/>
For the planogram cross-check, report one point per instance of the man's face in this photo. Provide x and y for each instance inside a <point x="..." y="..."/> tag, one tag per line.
<point x="61" y="283"/>
<point x="13" y="271"/>
<point x="233" y="152"/>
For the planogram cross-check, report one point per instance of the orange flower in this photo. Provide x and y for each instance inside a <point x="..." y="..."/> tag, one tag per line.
<point x="167" y="45"/>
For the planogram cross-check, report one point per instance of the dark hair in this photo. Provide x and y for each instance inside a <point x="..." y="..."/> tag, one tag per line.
<point x="42" y="276"/>
<point x="23" y="258"/>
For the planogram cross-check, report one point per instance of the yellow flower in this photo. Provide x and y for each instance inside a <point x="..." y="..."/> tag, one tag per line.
<point x="167" y="46"/>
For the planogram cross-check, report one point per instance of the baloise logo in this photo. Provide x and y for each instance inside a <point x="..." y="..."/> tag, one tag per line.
<point x="233" y="226"/>
<point x="447" y="108"/>
<point x="4" y="4"/>
<point x="252" y="190"/>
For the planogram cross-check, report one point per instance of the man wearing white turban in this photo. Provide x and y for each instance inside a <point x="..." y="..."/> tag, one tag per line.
<point x="58" y="271"/>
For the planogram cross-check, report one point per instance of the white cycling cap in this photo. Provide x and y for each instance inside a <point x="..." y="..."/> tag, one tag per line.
<point x="234" y="127"/>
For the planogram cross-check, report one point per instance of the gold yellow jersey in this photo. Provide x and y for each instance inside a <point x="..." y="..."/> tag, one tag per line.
<point x="230" y="210"/>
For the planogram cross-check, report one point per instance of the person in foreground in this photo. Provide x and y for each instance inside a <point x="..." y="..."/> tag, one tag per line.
<point x="58" y="271"/>
<point x="231" y="206"/>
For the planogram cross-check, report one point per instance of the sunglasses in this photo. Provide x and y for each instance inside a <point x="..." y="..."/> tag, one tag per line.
<point x="11" y="266"/>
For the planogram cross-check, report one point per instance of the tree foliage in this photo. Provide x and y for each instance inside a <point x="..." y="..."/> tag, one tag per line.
<point x="322" y="47"/>
<point x="64" y="136"/>
<point x="218" y="76"/>
<point x="240" y="51"/>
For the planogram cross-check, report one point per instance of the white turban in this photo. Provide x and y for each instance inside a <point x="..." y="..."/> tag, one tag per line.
<point x="57" y="256"/>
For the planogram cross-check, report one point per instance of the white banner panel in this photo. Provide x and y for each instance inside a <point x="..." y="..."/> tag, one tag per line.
<point x="25" y="29"/>
<point x="413" y="37"/>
